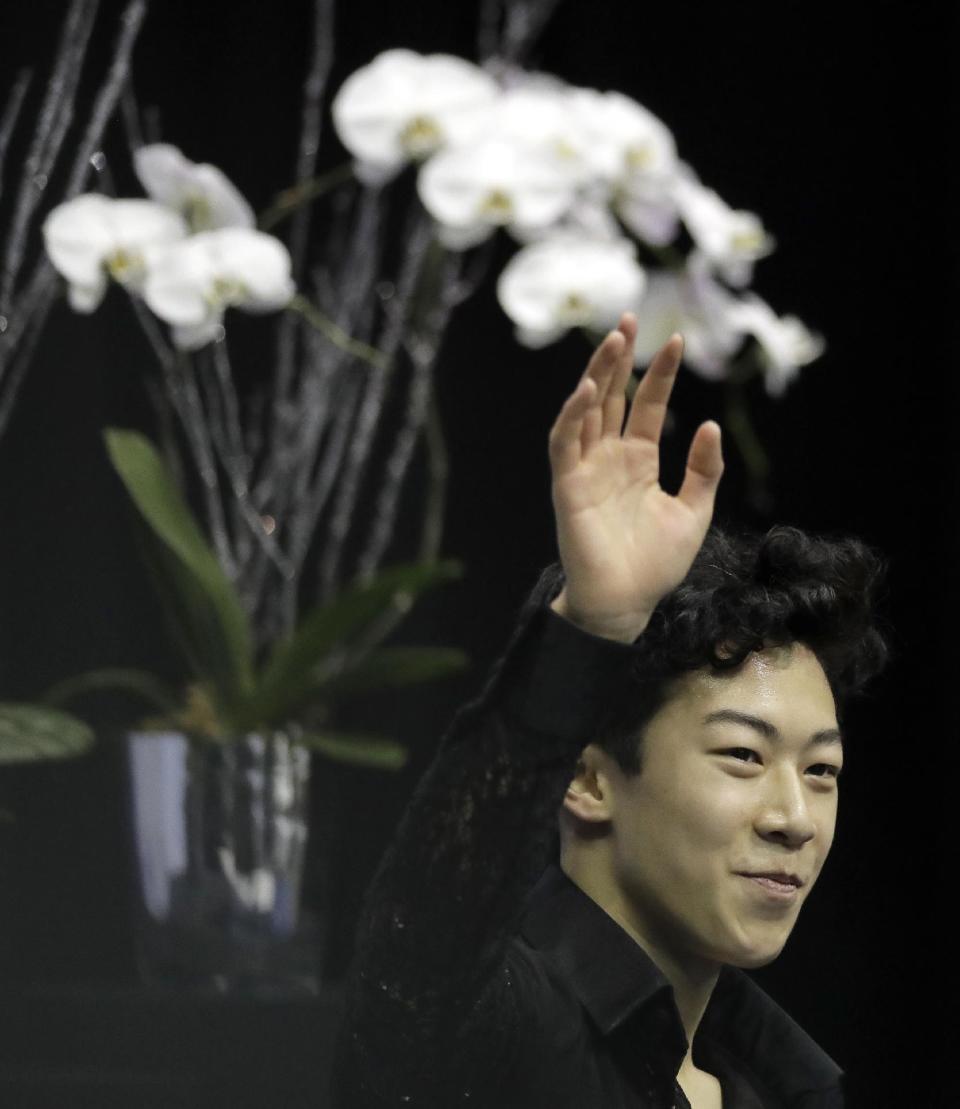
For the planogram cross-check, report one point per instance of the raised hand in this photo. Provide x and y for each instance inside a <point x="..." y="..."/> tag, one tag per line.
<point x="624" y="542"/>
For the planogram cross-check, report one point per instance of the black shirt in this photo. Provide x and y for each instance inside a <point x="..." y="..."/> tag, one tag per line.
<point x="483" y="976"/>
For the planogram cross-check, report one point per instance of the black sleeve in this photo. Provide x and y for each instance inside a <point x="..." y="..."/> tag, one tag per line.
<point x="429" y="1009"/>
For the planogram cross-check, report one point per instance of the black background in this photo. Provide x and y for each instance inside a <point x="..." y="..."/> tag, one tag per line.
<point x="836" y="125"/>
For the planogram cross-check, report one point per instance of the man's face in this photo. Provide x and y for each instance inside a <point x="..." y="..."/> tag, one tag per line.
<point x="717" y="797"/>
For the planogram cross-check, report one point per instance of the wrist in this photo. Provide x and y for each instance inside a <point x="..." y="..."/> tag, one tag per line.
<point x="624" y="630"/>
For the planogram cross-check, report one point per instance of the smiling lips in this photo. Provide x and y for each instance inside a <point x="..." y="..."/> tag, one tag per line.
<point x="778" y="878"/>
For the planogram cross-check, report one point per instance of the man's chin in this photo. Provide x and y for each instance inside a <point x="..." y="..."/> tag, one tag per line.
<point x="752" y="959"/>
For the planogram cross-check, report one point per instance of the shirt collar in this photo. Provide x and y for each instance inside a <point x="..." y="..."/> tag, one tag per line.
<point x="614" y="977"/>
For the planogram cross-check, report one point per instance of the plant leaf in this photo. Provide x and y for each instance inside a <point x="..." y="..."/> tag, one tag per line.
<point x="145" y="685"/>
<point x="358" y="750"/>
<point x="213" y="629"/>
<point x="290" y="675"/>
<point x="396" y="666"/>
<point x="29" y="733"/>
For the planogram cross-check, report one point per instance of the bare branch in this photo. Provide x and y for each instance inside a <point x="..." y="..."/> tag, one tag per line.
<point x="31" y="319"/>
<point x="132" y="127"/>
<point x="525" y="21"/>
<point x="488" y="29"/>
<point x="106" y="101"/>
<point x="416" y="255"/>
<point x="388" y="496"/>
<point x="311" y="128"/>
<point x="10" y="115"/>
<point x="310" y="131"/>
<point x="60" y="89"/>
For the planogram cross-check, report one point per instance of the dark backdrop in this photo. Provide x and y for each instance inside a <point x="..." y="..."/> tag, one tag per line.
<point x="839" y="132"/>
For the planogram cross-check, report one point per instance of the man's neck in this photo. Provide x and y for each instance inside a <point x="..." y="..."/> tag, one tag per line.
<point x="692" y="980"/>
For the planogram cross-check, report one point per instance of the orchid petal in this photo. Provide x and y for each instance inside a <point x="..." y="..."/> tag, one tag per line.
<point x="258" y="262"/>
<point x="177" y="283"/>
<point x="87" y="298"/>
<point x="405" y="105"/>
<point x="699" y="308"/>
<point x="536" y="340"/>
<point x="536" y="116"/>
<point x="224" y="202"/>
<point x="731" y="240"/>
<point x="200" y="191"/>
<point x="569" y="281"/>
<point x="198" y="335"/>
<point x="90" y="232"/>
<point x="623" y="138"/>
<point x="648" y="208"/>
<point x="496" y="182"/>
<point x="77" y="237"/>
<point x="191" y="283"/>
<point x="163" y="171"/>
<point x="785" y="342"/>
<point x="462" y="238"/>
<point x="376" y="174"/>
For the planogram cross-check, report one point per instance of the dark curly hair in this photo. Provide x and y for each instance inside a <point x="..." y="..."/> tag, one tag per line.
<point x="743" y="592"/>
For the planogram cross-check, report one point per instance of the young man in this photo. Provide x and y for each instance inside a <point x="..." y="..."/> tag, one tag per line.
<point x="668" y="706"/>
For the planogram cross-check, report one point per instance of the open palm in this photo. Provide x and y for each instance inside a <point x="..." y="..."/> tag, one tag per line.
<point x="624" y="542"/>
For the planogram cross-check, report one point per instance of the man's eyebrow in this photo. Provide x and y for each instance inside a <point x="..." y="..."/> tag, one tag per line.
<point x="768" y="730"/>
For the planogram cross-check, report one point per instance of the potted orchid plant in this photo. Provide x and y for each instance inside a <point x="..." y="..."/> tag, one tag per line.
<point x="232" y="748"/>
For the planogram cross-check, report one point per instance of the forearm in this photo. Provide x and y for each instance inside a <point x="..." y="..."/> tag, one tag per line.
<point x="438" y="915"/>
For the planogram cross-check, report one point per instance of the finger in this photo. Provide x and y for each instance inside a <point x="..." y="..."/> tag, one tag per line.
<point x="601" y="369"/>
<point x="650" y="400"/>
<point x="615" y="401"/>
<point x="564" y="441"/>
<point x="704" y="469"/>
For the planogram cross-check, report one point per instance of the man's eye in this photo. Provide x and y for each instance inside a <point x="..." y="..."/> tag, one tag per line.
<point x="736" y="751"/>
<point x="831" y="771"/>
<point x="745" y="754"/>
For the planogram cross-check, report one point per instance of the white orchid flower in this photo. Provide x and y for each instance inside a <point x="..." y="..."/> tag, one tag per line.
<point x="92" y="238"/>
<point x="569" y="281"/>
<point x="785" y="342"/>
<point x="404" y="106"/>
<point x="634" y="153"/>
<point x="729" y="240"/>
<point x="200" y="192"/>
<point x="536" y="115"/>
<point x="647" y="206"/>
<point x="703" y="311"/>
<point x="191" y="284"/>
<point x="471" y="190"/>
<point x="623" y="138"/>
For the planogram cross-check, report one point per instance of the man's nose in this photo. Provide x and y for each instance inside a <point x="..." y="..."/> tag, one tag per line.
<point x="784" y="810"/>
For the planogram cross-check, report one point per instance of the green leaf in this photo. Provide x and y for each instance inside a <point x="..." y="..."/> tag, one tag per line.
<point x="211" y="625"/>
<point x="358" y="750"/>
<point x="290" y="675"/>
<point x="29" y="733"/>
<point x="143" y="684"/>
<point x="396" y="666"/>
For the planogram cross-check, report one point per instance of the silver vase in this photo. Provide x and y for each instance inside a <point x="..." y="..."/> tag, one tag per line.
<point x="219" y="834"/>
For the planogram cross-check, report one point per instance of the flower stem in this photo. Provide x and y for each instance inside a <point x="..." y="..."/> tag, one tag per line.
<point x="738" y="423"/>
<point x="312" y="314"/>
<point x="294" y="198"/>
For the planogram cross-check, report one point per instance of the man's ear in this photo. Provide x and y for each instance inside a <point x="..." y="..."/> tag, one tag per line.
<point x="589" y="795"/>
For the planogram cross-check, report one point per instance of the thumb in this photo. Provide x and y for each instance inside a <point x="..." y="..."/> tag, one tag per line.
<point x="704" y="468"/>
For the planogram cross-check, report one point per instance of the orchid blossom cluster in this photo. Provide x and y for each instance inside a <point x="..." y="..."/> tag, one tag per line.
<point x="191" y="251"/>
<point x="575" y="176"/>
